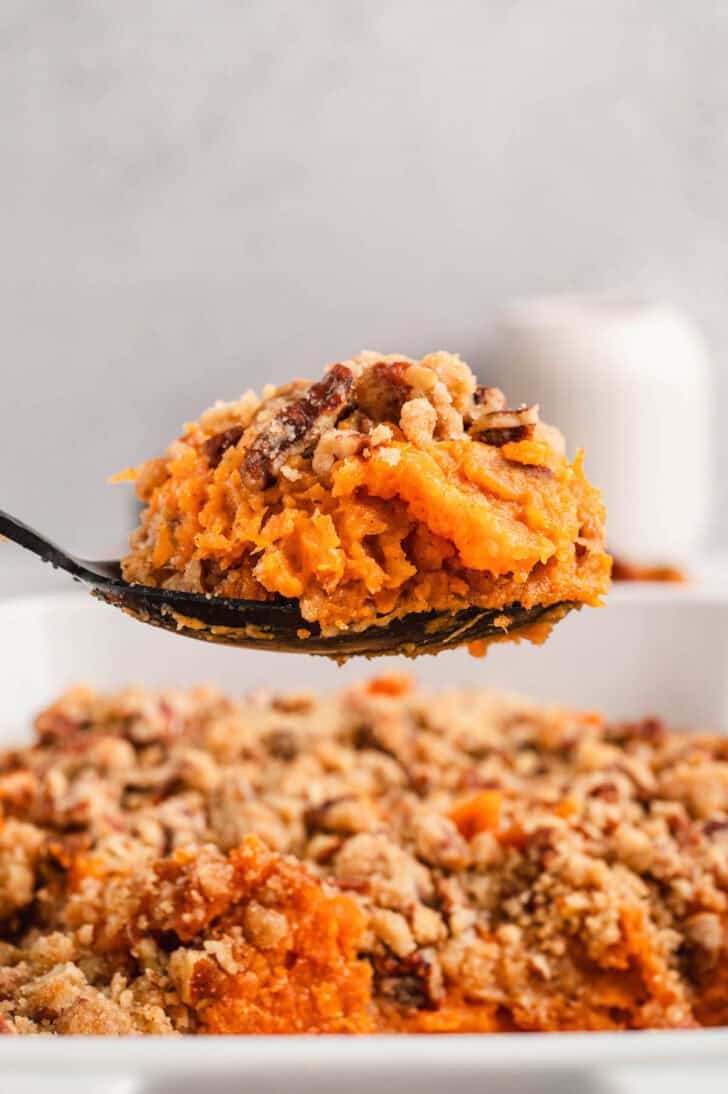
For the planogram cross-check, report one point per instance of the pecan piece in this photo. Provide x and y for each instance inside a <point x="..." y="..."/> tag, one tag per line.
<point x="381" y="390"/>
<point x="55" y="727"/>
<point x="337" y="444"/>
<point x="297" y="425"/>
<point x="282" y="744"/>
<point x="318" y="817"/>
<point x="498" y="427"/>
<point x="300" y="703"/>
<point x="606" y="791"/>
<point x="499" y="437"/>
<point x="649" y="729"/>
<point x="216" y="447"/>
<point x="541" y="843"/>
<point x="413" y="982"/>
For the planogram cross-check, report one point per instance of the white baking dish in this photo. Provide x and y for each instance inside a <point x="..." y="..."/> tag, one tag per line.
<point x="652" y="650"/>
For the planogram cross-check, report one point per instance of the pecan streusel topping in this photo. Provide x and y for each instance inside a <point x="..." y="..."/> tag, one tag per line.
<point x="381" y="859"/>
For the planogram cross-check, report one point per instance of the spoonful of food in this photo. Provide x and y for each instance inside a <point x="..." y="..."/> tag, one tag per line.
<point x="394" y="506"/>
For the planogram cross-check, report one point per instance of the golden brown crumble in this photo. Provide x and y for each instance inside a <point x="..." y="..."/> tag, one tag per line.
<point x="381" y="859"/>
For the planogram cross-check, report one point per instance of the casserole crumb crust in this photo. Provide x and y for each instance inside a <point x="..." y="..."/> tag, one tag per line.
<point x="377" y="860"/>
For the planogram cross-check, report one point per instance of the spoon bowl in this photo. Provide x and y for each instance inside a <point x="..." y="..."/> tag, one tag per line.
<point x="278" y="624"/>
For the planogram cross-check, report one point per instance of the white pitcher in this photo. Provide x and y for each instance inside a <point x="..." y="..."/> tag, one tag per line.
<point x="630" y="382"/>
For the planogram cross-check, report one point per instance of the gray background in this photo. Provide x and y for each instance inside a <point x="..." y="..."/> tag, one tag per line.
<point x="197" y="197"/>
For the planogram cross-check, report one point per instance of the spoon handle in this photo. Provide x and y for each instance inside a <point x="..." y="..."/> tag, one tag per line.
<point x="14" y="529"/>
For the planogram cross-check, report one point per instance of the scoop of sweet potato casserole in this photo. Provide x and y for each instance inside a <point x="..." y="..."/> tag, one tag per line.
<point x="380" y="860"/>
<point x="389" y="487"/>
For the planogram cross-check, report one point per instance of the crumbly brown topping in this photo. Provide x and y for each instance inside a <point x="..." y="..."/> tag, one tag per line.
<point x="216" y="447"/>
<point x="435" y="398"/>
<point x="299" y="423"/>
<point x="463" y="861"/>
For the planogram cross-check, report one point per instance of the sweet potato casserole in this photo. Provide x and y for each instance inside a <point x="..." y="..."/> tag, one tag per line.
<point x="380" y="860"/>
<point x="389" y="487"/>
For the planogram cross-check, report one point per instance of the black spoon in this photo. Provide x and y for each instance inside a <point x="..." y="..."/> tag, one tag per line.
<point x="278" y="624"/>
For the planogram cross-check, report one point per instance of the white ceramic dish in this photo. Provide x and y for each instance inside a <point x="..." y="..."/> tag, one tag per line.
<point x="652" y="650"/>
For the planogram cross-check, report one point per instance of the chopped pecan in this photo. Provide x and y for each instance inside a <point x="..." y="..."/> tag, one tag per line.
<point x="653" y="729"/>
<point x="473" y="780"/>
<point x="498" y="427"/>
<point x="499" y="437"/>
<point x="607" y="791"/>
<point x="640" y="778"/>
<point x="649" y="729"/>
<point x="438" y="841"/>
<point x="367" y="736"/>
<point x="704" y="942"/>
<point x="54" y="726"/>
<point x="382" y="390"/>
<point x="351" y="884"/>
<point x="414" y="982"/>
<point x="297" y="703"/>
<point x="334" y="445"/>
<point x="216" y="447"/>
<point x="319" y="817"/>
<point x="419" y="779"/>
<point x="297" y="425"/>
<point x="282" y="744"/>
<point x="449" y="895"/>
<point x="682" y="829"/>
<point x="541" y="842"/>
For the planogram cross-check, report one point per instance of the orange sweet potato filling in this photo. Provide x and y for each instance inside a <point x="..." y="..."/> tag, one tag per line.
<point x="480" y="813"/>
<point x="309" y="980"/>
<point x="301" y="972"/>
<point x="404" y="530"/>
<point x="306" y="976"/>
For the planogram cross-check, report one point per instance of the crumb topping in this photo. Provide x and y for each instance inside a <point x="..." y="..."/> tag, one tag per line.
<point x="381" y="859"/>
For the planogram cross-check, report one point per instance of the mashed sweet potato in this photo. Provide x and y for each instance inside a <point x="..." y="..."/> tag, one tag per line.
<point x="389" y="487"/>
